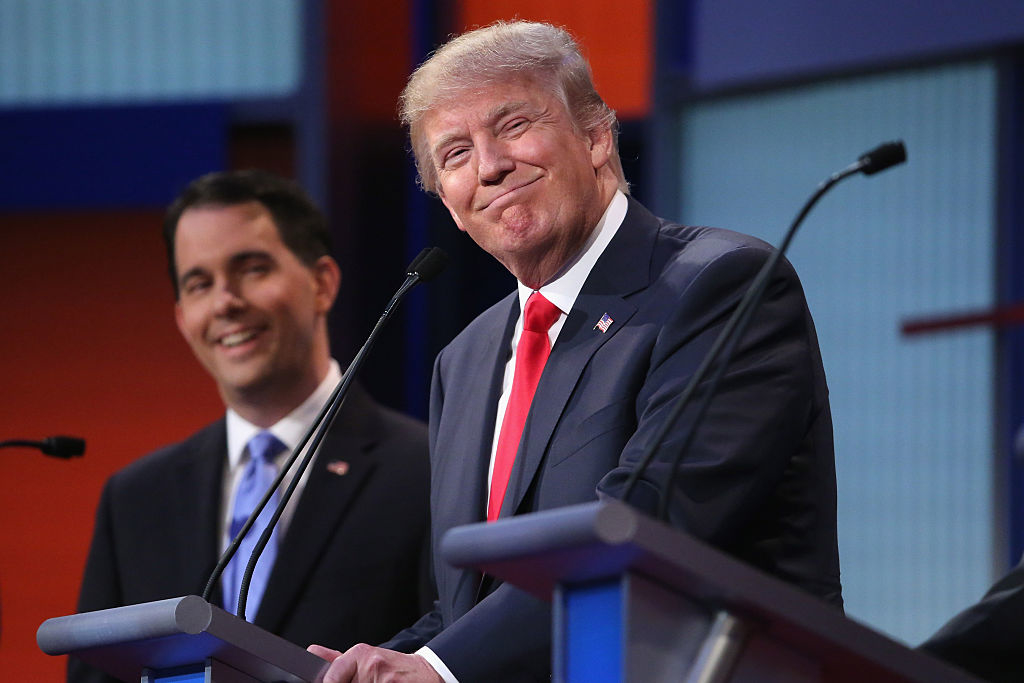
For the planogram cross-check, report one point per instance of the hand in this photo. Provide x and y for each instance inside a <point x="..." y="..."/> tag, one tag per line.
<point x="366" y="664"/>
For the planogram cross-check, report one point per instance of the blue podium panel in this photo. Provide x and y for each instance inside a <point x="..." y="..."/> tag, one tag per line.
<point x="592" y="639"/>
<point x="188" y="675"/>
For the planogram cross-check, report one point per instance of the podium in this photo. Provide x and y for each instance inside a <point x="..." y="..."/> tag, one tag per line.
<point x="636" y="601"/>
<point x="180" y="640"/>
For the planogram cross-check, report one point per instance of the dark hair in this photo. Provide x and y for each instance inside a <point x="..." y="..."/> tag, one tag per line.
<point x="299" y="221"/>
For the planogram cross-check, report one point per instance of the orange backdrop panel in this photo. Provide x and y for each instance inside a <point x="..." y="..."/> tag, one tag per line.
<point x="88" y="347"/>
<point x="368" y="58"/>
<point x="616" y="38"/>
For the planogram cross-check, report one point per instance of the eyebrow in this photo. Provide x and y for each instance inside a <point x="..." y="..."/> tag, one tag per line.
<point x="497" y="112"/>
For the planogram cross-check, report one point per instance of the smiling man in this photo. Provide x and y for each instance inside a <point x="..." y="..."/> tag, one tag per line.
<point x="551" y="396"/>
<point x="249" y="258"/>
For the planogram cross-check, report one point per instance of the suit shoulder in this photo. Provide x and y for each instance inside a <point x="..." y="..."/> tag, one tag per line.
<point x="706" y="242"/>
<point x="694" y="252"/>
<point x="156" y="465"/>
<point x="398" y="426"/>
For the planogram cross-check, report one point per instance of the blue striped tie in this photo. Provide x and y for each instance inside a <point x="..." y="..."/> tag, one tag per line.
<point x="257" y="477"/>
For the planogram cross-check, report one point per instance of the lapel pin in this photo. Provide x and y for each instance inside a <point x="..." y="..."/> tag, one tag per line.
<point x="339" y="467"/>
<point x="604" y="323"/>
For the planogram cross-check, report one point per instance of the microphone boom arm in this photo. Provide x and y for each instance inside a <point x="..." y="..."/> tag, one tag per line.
<point x="725" y="344"/>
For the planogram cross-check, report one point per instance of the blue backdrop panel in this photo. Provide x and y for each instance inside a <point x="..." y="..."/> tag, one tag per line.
<point x="749" y="41"/>
<point x="913" y="416"/>
<point x="102" y="157"/>
<point x="70" y="52"/>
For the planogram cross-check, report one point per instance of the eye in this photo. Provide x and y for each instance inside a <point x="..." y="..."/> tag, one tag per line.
<point x="195" y="285"/>
<point x="515" y="126"/>
<point x="454" y="157"/>
<point x="255" y="265"/>
<point x="256" y="269"/>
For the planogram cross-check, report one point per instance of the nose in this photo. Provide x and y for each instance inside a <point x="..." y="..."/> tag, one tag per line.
<point x="228" y="299"/>
<point x="493" y="162"/>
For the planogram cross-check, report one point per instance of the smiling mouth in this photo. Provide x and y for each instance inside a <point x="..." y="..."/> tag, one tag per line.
<point x="496" y="199"/>
<point x="234" y="339"/>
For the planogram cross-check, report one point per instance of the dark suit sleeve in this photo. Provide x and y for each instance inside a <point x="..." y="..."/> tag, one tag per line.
<point x="505" y="638"/>
<point x="986" y="638"/>
<point x="416" y="636"/>
<point x="758" y="477"/>
<point x="101" y="587"/>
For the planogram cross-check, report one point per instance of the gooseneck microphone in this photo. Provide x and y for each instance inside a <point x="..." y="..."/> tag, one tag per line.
<point x="427" y="265"/>
<point x="57" y="446"/>
<point x="882" y="157"/>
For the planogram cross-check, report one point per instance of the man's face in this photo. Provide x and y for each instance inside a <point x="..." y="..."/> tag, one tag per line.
<point x="252" y="312"/>
<point x="516" y="175"/>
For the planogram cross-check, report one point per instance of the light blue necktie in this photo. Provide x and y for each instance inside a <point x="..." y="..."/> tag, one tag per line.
<point x="257" y="477"/>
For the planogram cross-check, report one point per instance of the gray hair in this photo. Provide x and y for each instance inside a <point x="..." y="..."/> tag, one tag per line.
<point x="493" y="55"/>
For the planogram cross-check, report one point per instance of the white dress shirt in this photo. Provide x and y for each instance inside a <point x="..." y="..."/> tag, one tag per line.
<point x="290" y="429"/>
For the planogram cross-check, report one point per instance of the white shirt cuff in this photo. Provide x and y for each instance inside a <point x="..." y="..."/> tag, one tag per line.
<point x="435" y="661"/>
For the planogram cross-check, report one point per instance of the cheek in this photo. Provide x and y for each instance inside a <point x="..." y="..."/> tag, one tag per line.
<point x="189" y="323"/>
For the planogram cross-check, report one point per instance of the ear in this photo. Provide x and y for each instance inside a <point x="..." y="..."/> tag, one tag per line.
<point x="455" y="216"/>
<point x="601" y="143"/>
<point x="327" y="277"/>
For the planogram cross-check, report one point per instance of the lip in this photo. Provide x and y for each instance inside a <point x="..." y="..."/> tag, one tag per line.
<point x="256" y="332"/>
<point x="507" y="193"/>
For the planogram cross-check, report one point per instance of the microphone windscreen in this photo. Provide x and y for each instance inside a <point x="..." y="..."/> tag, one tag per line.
<point x="415" y="263"/>
<point x="429" y="264"/>
<point x="63" y="446"/>
<point x="882" y="157"/>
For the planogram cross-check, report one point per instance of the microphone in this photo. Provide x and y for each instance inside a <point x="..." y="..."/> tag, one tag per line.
<point x="65" y="447"/>
<point x="882" y="157"/>
<point x="426" y="266"/>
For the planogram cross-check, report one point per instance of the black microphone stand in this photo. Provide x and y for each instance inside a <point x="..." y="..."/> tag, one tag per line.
<point x="424" y="267"/>
<point x="65" y="447"/>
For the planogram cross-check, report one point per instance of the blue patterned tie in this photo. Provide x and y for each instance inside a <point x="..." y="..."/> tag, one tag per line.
<point x="256" y="479"/>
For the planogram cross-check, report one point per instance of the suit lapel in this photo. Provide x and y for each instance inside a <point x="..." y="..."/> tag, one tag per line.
<point x="460" y="461"/>
<point x="324" y="501"/>
<point x="615" y="276"/>
<point x="196" y="494"/>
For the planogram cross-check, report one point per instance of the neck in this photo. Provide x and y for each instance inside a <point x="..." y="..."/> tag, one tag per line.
<point x="264" y="406"/>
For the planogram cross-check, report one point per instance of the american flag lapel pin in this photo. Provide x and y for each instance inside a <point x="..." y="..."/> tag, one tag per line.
<point x="339" y="467"/>
<point x="604" y="323"/>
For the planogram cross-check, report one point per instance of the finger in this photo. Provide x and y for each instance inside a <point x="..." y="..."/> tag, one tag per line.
<point x="323" y="652"/>
<point x="342" y="670"/>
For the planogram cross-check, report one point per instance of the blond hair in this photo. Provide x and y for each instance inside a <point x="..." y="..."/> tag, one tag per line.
<point x="496" y="54"/>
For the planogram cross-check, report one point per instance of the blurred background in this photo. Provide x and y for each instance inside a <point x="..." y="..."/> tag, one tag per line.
<point x="732" y="111"/>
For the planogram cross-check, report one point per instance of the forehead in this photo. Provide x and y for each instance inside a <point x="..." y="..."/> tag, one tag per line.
<point x="485" y="104"/>
<point x="211" y="232"/>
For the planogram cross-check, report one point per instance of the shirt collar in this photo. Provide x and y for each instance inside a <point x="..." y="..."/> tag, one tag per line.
<point x="291" y="428"/>
<point x="563" y="289"/>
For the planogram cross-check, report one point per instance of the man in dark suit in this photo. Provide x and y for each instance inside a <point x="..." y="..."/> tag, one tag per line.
<point x="248" y="254"/>
<point x="986" y="638"/>
<point x="614" y="311"/>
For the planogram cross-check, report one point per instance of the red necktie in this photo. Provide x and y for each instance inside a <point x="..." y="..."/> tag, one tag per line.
<point x="531" y="354"/>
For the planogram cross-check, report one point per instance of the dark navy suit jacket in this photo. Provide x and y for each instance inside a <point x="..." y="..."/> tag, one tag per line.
<point x="986" y="639"/>
<point x="352" y="567"/>
<point x="758" y="481"/>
